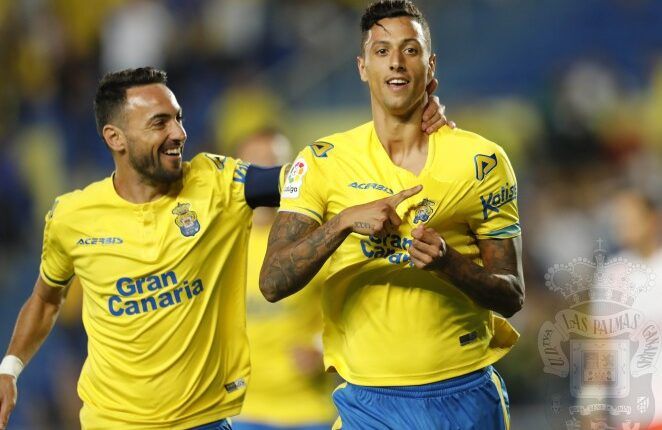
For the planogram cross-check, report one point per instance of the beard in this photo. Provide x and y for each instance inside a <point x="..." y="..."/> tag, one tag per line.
<point x="151" y="170"/>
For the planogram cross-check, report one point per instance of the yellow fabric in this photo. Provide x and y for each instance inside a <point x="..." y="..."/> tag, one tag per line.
<point x="337" y="424"/>
<point x="163" y="297"/>
<point x="506" y="415"/>
<point x="387" y="323"/>
<point x="279" y="393"/>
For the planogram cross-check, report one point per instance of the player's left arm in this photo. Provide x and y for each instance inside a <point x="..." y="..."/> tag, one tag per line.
<point x="498" y="285"/>
<point x="492" y="215"/>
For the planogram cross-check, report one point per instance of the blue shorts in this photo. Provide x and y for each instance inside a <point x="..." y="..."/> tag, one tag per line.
<point x="248" y="425"/>
<point x="476" y="401"/>
<point x="216" y="425"/>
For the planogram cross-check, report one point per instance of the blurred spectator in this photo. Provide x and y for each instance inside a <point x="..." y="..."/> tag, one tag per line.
<point x="243" y="108"/>
<point x="288" y="389"/>
<point x="234" y="27"/>
<point x="137" y="34"/>
<point x="39" y="149"/>
<point x="16" y="214"/>
<point x="636" y="224"/>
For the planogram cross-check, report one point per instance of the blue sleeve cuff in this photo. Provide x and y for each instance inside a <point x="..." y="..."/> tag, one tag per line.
<point x="261" y="186"/>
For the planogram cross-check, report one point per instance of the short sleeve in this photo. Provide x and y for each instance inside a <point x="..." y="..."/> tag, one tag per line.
<point x="56" y="265"/>
<point x="304" y="186"/>
<point x="228" y="175"/>
<point x="493" y="213"/>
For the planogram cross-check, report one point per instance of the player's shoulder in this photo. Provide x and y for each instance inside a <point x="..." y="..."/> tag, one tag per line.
<point x="208" y="162"/>
<point x="341" y="144"/>
<point x="469" y="154"/>
<point x="467" y="142"/>
<point x="77" y="200"/>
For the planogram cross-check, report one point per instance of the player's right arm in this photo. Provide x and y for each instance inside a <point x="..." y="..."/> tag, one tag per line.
<point x="35" y="321"/>
<point x="298" y="246"/>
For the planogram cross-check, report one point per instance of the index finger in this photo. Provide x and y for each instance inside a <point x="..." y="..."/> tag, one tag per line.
<point x="404" y="195"/>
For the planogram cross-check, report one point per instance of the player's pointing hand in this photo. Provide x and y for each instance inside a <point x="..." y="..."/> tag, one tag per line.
<point x="427" y="249"/>
<point x="379" y="217"/>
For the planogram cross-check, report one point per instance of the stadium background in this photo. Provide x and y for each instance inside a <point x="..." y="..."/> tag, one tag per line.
<point x="572" y="90"/>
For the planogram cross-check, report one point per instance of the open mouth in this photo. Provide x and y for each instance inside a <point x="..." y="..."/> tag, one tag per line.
<point x="397" y="83"/>
<point x="171" y="152"/>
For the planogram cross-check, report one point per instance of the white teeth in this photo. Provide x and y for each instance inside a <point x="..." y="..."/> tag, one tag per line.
<point x="175" y="151"/>
<point x="397" y="81"/>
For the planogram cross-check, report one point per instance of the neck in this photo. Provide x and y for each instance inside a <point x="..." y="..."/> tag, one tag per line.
<point x="399" y="133"/>
<point x="131" y="186"/>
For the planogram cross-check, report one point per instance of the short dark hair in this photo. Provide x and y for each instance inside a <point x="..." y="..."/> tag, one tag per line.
<point x="111" y="93"/>
<point x="392" y="9"/>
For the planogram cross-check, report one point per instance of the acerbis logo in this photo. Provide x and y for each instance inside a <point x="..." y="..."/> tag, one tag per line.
<point x="371" y="186"/>
<point x="100" y="241"/>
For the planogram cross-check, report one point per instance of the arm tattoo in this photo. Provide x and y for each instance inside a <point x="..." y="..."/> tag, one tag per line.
<point x="363" y="225"/>
<point x="499" y="284"/>
<point x="298" y="248"/>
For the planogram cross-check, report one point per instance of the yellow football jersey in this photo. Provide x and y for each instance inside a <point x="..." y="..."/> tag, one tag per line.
<point x="163" y="297"/>
<point x="280" y="393"/>
<point x="387" y="322"/>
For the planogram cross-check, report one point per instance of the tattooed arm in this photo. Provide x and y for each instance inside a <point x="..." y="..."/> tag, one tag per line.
<point x="298" y="246"/>
<point x="498" y="285"/>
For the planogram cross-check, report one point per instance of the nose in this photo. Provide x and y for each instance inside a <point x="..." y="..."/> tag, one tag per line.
<point x="397" y="62"/>
<point x="177" y="132"/>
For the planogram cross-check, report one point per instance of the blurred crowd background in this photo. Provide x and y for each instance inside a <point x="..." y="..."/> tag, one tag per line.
<point x="571" y="89"/>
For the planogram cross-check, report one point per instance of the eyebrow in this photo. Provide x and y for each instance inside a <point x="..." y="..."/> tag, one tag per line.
<point x="405" y="41"/>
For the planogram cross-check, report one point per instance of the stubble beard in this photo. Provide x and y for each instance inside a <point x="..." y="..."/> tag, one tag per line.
<point x="152" y="171"/>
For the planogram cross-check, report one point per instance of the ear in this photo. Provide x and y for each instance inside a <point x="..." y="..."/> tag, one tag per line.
<point x="114" y="137"/>
<point x="432" y="63"/>
<point x="360" y="62"/>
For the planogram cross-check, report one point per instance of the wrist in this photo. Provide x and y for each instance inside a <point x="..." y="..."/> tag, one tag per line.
<point x="11" y="365"/>
<point x="443" y="254"/>
<point x="345" y="225"/>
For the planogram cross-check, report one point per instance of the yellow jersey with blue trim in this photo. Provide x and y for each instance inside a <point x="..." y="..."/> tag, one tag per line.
<point x="386" y="322"/>
<point x="163" y="296"/>
<point x="283" y="391"/>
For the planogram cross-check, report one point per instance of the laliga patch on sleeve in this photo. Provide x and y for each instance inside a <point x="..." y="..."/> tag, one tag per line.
<point x="292" y="187"/>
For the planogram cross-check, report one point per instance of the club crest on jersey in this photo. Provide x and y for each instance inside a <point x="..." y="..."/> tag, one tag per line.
<point x="484" y="165"/>
<point x="186" y="219"/>
<point x="423" y="211"/>
<point x="294" y="179"/>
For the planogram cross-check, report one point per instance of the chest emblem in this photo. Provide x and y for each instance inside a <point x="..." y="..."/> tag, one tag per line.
<point x="423" y="211"/>
<point x="186" y="219"/>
